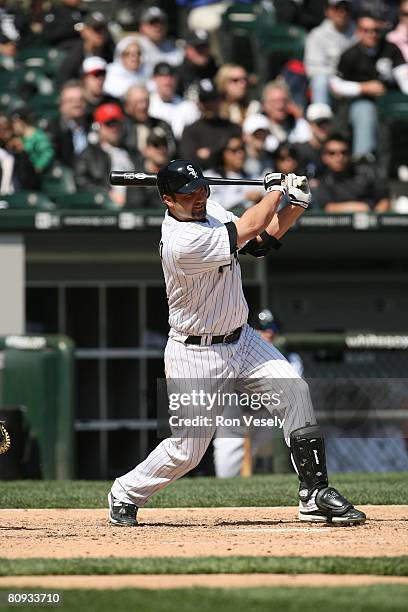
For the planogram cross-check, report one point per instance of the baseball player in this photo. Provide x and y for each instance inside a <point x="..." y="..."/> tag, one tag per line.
<point x="230" y="442"/>
<point x="211" y="342"/>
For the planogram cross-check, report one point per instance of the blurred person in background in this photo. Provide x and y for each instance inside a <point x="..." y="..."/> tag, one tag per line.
<point x="286" y="160"/>
<point x="127" y="68"/>
<point x="165" y="104"/>
<point x="232" y="82"/>
<point x="285" y="121"/>
<point x="33" y="140"/>
<point x="17" y="172"/>
<point x="93" y="74"/>
<point x="9" y="21"/>
<point x="155" y="156"/>
<point x="201" y="140"/>
<point x="345" y="187"/>
<point x="310" y="13"/>
<point x="198" y="64"/>
<point x="324" y="46"/>
<point x="94" y="40"/>
<point x="69" y="131"/>
<point x="8" y="52"/>
<point x="385" y="10"/>
<point x="156" y="47"/>
<point x="399" y="36"/>
<point x="59" y="24"/>
<point x="365" y="72"/>
<point x="139" y="123"/>
<point x="320" y="118"/>
<point x="93" y="166"/>
<point x="230" y="163"/>
<point x="258" y="160"/>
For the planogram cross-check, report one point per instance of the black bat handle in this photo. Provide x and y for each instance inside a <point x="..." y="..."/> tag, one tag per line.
<point x="213" y="180"/>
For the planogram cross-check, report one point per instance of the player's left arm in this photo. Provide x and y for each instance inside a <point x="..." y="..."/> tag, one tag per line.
<point x="299" y="200"/>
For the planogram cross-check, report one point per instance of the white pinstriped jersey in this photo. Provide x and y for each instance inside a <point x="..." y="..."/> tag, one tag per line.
<point x="203" y="278"/>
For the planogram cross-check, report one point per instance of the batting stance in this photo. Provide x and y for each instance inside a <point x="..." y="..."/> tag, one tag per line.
<point x="210" y="340"/>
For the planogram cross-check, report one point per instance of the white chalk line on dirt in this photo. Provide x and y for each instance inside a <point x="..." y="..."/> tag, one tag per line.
<point x="275" y="529"/>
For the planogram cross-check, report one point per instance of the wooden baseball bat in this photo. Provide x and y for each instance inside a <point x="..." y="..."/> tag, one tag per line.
<point x="140" y="179"/>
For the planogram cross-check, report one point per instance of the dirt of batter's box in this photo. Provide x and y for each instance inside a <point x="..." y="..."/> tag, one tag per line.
<point x="192" y="532"/>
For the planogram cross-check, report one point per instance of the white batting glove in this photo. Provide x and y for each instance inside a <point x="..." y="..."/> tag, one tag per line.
<point x="299" y="191"/>
<point x="275" y="181"/>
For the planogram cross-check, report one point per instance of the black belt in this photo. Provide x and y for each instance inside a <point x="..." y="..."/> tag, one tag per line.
<point x="227" y="338"/>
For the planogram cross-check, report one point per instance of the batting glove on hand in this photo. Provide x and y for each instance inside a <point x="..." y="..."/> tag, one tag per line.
<point x="299" y="190"/>
<point x="275" y="181"/>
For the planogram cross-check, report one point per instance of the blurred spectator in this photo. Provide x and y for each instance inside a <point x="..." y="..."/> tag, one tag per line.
<point x="93" y="166"/>
<point x="93" y="73"/>
<point x="310" y="13"/>
<point x="33" y="140"/>
<point x="198" y="64"/>
<point x="8" y="52"/>
<point x="233" y="86"/>
<point x="155" y="156"/>
<point x="23" y="174"/>
<point x="201" y="140"/>
<point x="285" y="122"/>
<point x="59" y="24"/>
<point x="30" y="22"/>
<point x="94" y="40"/>
<point x="230" y="164"/>
<point x="399" y="36"/>
<point x="286" y="160"/>
<point x="138" y="123"/>
<point x="126" y="69"/>
<point x="8" y="23"/>
<point x="166" y="105"/>
<point x="258" y="160"/>
<point x="205" y="14"/>
<point x="385" y="10"/>
<point x="156" y="47"/>
<point x="345" y="187"/>
<point x="320" y="118"/>
<point x="6" y="172"/>
<point x="69" y="132"/>
<point x="324" y="46"/>
<point x="366" y="71"/>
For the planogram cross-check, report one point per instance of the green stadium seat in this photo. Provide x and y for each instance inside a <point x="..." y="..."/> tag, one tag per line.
<point x="58" y="181"/>
<point x="282" y="37"/>
<point x="238" y="34"/>
<point x="47" y="58"/>
<point x="85" y="200"/>
<point x="27" y="200"/>
<point x="45" y="107"/>
<point x="394" y="105"/>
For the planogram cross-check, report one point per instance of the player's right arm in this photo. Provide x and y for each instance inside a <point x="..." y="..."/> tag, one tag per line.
<point x="256" y="219"/>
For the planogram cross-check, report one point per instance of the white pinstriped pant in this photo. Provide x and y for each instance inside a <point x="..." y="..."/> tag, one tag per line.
<point x="250" y="358"/>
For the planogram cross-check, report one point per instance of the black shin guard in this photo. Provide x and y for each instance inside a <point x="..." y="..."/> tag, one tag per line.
<point x="309" y="458"/>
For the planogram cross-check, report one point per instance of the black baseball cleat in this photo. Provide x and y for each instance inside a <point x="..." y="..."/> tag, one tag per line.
<point x="122" y="514"/>
<point x="330" y="507"/>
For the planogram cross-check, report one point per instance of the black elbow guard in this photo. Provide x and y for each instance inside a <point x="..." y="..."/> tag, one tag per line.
<point x="260" y="249"/>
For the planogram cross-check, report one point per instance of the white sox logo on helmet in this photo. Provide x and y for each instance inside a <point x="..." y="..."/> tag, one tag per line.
<point x="192" y="171"/>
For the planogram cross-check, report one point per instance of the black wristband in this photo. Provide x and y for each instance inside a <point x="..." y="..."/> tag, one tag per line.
<point x="270" y="241"/>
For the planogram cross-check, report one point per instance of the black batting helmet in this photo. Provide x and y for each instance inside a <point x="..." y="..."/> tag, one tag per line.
<point x="180" y="176"/>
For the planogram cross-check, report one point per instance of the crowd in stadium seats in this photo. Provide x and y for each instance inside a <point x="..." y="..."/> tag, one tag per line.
<point x="313" y="86"/>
